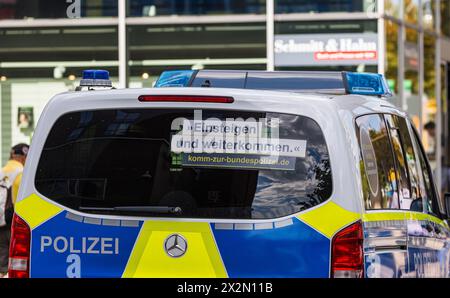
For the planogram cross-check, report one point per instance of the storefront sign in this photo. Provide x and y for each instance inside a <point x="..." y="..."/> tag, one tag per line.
<point x="326" y="49"/>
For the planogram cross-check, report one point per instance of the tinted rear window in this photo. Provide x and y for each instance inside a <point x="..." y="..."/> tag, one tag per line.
<point x="98" y="161"/>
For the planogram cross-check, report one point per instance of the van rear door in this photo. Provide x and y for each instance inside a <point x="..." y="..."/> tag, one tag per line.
<point x="179" y="193"/>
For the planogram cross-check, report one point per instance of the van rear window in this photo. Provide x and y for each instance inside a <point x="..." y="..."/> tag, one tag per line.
<point x="185" y="163"/>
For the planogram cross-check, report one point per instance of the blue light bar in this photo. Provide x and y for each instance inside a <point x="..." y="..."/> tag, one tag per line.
<point x="351" y="82"/>
<point x="95" y="74"/>
<point x="174" y="78"/>
<point x="365" y="83"/>
<point x="95" y="78"/>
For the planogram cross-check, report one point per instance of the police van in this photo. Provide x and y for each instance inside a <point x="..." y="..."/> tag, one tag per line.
<point x="229" y="174"/>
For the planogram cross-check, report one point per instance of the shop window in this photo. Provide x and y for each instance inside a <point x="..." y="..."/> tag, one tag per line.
<point x="391" y="68"/>
<point x="393" y="7"/>
<point x="411" y="11"/>
<point x="150" y="8"/>
<point x="429" y="106"/>
<point x="298" y="6"/>
<point x="445" y="15"/>
<point x="411" y="78"/>
<point x="54" y="9"/>
<point x="428" y="14"/>
<point x="445" y="133"/>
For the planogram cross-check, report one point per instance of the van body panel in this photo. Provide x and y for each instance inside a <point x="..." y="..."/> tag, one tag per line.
<point x="385" y="245"/>
<point x="66" y="244"/>
<point x="297" y="245"/>
<point x="398" y="244"/>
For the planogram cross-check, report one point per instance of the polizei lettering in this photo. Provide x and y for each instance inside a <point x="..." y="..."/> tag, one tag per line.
<point x="85" y="245"/>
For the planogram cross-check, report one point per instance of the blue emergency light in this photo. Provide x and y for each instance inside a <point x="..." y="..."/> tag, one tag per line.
<point x="365" y="83"/>
<point x="95" y="78"/>
<point x="175" y="78"/>
<point x="348" y="82"/>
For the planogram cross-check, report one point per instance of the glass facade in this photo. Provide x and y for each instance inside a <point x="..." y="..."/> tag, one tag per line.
<point x="36" y="52"/>
<point x="411" y="74"/>
<point x="151" y="8"/>
<point x="445" y="16"/>
<point x="445" y="133"/>
<point x="139" y="8"/>
<point x="393" y="8"/>
<point x="428" y="15"/>
<point x="51" y="9"/>
<point x="429" y="96"/>
<point x="202" y="45"/>
<point x="22" y="9"/>
<point x="320" y="6"/>
<point x="411" y="11"/>
<point x="391" y="61"/>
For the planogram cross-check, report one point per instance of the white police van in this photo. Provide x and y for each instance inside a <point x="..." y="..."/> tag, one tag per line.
<point x="229" y="174"/>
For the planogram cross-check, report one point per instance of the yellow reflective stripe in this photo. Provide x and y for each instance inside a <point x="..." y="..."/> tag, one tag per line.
<point x="35" y="210"/>
<point x="382" y="216"/>
<point x="401" y="215"/>
<point x="149" y="258"/>
<point x="423" y="216"/>
<point x="329" y="218"/>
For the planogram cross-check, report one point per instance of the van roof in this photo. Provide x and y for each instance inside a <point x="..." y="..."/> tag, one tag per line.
<point x="263" y="100"/>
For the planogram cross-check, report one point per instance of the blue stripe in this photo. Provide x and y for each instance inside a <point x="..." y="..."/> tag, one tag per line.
<point x="106" y="261"/>
<point x="296" y="250"/>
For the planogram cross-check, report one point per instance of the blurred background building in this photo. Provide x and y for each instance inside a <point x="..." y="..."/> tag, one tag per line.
<point x="43" y="51"/>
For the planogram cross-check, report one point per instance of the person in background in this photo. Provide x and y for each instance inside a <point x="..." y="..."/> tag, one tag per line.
<point x="10" y="178"/>
<point x="430" y="128"/>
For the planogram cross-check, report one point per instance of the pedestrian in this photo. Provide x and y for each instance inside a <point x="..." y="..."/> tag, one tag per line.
<point x="10" y="177"/>
<point x="430" y="128"/>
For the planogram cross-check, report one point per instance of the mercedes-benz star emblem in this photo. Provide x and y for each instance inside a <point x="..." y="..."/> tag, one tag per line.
<point x="175" y="245"/>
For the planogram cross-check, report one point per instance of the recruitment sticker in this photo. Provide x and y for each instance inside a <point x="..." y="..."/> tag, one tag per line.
<point x="238" y="161"/>
<point x="229" y="127"/>
<point x="217" y="144"/>
<point x="235" y="137"/>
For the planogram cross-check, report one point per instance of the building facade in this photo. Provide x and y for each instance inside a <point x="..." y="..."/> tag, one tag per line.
<point x="45" y="45"/>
